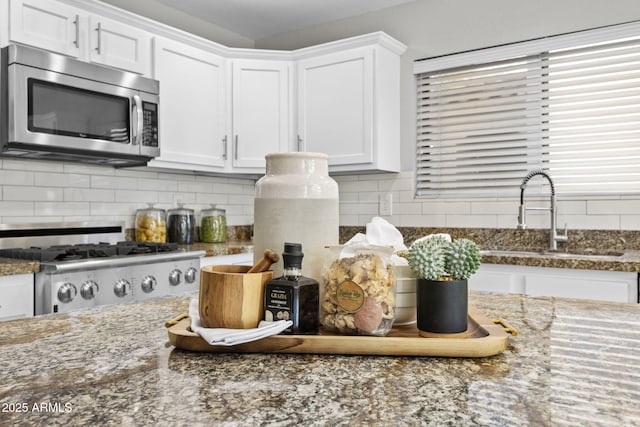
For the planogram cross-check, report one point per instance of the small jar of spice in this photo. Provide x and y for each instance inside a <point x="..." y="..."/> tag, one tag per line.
<point x="181" y="225"/>
<point x="213" y="225"/>
<point x="151" y="225"/>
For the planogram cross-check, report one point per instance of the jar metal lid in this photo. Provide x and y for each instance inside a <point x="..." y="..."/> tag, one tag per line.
<point x="180" y="210"/>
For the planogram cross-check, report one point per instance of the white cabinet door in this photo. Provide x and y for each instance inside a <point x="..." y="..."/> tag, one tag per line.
<point x="235" y="259"/>
<point x="502" y="279"/>
<point x="261" y="111"/>
<point x="335" y="105"/>
<point x="192" y="111"/>
<point x="584" y="284"/>
<point x="599" y="285"/>
<point x="118" y="45"/>
<point x="16" y="296"/>
<point x="47" y="24"/>
<point x="60" y="28"/>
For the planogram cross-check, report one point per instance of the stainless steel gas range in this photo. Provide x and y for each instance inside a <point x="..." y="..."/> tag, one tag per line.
<point x="89" y="264"/>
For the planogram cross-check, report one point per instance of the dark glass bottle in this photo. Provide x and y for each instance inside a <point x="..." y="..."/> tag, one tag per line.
<point x="293" y="296"/>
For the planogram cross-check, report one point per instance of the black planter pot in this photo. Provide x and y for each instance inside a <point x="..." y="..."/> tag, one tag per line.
<point x="442" y="306"/>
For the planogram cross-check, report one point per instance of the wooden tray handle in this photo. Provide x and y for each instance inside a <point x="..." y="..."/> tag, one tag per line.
<point x="506" y="326"/>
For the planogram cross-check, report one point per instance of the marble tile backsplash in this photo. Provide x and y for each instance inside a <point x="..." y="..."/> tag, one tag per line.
<point x="359" y="202"/>
<point x="40" y="191"/>
<point x="580" y="241"/>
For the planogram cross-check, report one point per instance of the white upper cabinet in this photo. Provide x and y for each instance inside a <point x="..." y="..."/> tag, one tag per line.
<point x="335" y="106"/>
<point x="261" y="111"/>
<point x="118" y="45"/>
<point x="349" y="102"/>
<point x="47" y="24"/>
<point x="203" y="95"/>
<point x="223" y="109"/>
<point x="71" y="31"/>
<point x="193" y="130"/>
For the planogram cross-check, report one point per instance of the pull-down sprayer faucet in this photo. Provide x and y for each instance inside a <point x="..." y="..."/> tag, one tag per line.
<point x="554" y="237"/>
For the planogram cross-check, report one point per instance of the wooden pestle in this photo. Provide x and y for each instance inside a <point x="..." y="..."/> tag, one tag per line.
<point x="263" y="265"/>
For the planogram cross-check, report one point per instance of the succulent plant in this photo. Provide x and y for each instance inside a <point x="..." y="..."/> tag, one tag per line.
<point x="427" y="258"/>
<point x="462" y="259"/>
<point x="437" y="258"/>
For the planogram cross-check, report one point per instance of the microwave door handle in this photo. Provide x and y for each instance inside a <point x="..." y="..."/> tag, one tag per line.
<point x="137" y="136"/>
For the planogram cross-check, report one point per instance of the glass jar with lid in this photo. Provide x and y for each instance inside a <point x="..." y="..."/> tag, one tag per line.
<point x="213" y="225"/>
<point x="181" y="225"/>
<point x="151" y="225"/>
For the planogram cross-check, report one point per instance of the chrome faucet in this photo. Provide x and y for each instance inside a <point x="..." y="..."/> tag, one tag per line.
<point x="554" y="237"/>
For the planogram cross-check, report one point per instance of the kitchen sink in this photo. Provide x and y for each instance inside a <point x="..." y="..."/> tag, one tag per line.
<point x="578" y="254"/>
<point x="584" y="252"/>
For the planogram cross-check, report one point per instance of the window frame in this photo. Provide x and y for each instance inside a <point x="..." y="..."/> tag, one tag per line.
<point x="507" y="52"/>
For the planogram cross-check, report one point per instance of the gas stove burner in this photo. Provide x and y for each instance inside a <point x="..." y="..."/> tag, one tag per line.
<point x="133" y="247"/>
<point x="78" y="270"/>
<point x="82" y="251"/>
<point x="85" y="251"/>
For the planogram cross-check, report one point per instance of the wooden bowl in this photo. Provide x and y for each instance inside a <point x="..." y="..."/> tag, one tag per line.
<point x="230" y="297"/>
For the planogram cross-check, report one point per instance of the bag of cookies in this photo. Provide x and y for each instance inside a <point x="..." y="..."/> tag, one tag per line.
<point x="357" y="290"/>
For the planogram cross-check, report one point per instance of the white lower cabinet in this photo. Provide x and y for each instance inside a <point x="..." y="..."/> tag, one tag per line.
<point x="16" y="296"/>
<point x="616" y="286"/>
<point x="235" y="259"/>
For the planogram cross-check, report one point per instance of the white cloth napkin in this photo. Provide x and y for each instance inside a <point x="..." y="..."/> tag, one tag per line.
<point x="228" y="337"/>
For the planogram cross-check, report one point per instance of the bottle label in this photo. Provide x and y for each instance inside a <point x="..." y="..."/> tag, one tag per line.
<point x="350" y="296"/>
<point x="279" y="304"/>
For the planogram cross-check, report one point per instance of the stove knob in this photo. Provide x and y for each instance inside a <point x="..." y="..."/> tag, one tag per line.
<point x="121" y="288"/>
<point x="175" y="277"/>
<point x="190" y="275"/>
<point x="149" y="284"/>
<point x="67" y="292"/>
<point x="89" y="289"/>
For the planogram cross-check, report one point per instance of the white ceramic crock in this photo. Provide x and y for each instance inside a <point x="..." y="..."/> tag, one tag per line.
<point x="297" y="202"/>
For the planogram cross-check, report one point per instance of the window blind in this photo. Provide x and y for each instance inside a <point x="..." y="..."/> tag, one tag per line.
<point x="573" y="111"/>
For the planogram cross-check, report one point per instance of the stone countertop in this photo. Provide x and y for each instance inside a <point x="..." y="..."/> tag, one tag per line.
<point x="573" y="362"/>
<point x="9" y="266"/>
<point x="617" y="250"/>
<point x="628" y="261"/>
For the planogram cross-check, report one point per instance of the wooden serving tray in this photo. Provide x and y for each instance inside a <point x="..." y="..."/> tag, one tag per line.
<point x="483" y="338"/>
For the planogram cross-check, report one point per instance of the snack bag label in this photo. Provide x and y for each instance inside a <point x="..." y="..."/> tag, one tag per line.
<point x="350" y="296"/>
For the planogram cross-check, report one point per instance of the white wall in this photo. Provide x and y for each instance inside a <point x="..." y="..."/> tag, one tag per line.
<point x="177" y="19"/>
<point x="40" y="191"/>
<point x="438" y="27"/>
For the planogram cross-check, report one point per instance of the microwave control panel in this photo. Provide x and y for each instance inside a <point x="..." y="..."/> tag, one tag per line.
<point x="149" y="124"/>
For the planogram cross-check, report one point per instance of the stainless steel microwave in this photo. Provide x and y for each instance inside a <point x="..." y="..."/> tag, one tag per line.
<point x="53" y="107"/>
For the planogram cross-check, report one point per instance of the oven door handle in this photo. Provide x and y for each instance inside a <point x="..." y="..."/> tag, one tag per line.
<point x="137" y="134"/>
